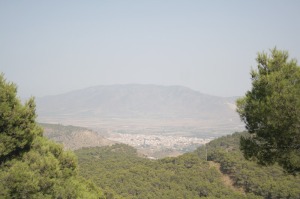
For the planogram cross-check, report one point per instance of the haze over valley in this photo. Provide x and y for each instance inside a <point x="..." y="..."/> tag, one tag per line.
<point x="147" y="105"/>
<point x="150" y="99"/>
<point x="144" y="116"/>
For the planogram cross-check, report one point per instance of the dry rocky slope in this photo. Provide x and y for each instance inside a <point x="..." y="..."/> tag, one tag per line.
<point x="73" y="137"/>
<point x="116" y="106"/>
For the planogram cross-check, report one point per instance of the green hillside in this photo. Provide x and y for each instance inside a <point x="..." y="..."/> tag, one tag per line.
<point x="118" y="169"/>
<point x="269" y="182"/>
<point x="121" y="173"/>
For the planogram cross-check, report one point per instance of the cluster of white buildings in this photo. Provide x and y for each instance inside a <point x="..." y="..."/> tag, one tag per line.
<point x="158" y="141"/>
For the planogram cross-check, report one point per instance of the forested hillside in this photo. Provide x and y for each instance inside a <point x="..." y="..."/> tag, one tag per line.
<point x="121" y="173"/>
<point x="269" y="182"/>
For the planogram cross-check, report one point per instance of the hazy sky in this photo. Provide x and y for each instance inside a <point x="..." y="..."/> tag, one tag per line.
<point x="51" y="47"/>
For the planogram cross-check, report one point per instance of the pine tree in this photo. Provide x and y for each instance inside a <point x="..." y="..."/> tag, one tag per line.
<point x="32" y="166"/>
<point x="271" y="112"/>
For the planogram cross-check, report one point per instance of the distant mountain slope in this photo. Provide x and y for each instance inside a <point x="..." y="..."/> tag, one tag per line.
<point x="137" y="101"/>
<point x="73" y="137"/>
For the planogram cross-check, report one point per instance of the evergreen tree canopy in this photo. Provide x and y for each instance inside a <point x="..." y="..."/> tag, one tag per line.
<point x="271" y="112"/>
<point x="17" y="122"/>
<point x="32" y="166"/>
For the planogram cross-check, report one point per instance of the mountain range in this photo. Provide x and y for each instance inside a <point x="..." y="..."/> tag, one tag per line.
<point x="86" y="107"/>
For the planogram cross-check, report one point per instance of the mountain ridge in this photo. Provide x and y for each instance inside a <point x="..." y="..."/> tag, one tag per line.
<point x="132" y="93"/>
<point x="137" y="101"/>
<point x="134" y="84"/>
